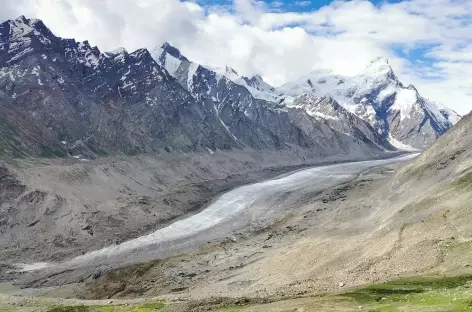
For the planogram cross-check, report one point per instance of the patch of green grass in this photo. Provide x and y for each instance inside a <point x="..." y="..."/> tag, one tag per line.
<point x="417" y="294"/>
<point x="465" y="181"/>
<point x="147" y="307"/>
<point x="62" y="308"/>
<point x="106" y="309"/>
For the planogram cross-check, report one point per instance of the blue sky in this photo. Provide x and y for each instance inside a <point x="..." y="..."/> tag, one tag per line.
<point x="290" y="5"/>
<point x="307" y="5"/>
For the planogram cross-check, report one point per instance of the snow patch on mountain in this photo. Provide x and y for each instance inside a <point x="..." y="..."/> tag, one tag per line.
<point x="376" y="95"/>
<point x="404" y="101"/>
<point x="191" y="73"/>
<point x="255" y="85"/>
<point x="399" y="145"/>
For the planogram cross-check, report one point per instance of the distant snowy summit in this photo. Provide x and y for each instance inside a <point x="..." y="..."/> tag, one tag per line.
<point x="397" y="112"/>
<point x="376" y="95"/>
<point x="171" y="59"/>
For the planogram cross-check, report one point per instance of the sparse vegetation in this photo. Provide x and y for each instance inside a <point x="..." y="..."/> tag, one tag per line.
<point x="451" y="294"/>
<point x="147" y="307"/>
<point x="465" y="181"/>
<point x="61" y="308"/>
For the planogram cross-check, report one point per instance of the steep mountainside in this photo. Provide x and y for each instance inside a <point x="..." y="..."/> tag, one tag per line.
<point x="397" y="112"/>
<point x="448" y="159"/>
<point x="256" y="85"/>
<point x="62" y="97"/>
<point x="337" y="117"/>
<point x="399" y="115"/>
<point x="238" y="104"/>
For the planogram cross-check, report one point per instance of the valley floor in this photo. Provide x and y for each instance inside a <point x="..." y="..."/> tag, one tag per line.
<point x="350" y="236"/>
<point x="61" y="208"/>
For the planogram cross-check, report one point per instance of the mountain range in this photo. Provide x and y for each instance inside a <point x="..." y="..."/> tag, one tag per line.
<point x="398" y="114"/>
<point x="60" y="97"/>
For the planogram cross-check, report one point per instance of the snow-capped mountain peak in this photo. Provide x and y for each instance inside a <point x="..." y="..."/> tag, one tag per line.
<point x="173" y="51"/>
<point x="379" y="68"/>
<point x="377" y="96"/>
<point x="380" y="60"/>
<point x="22" y="36"/>
<point x="231" y="71"/>
<point x="257" y="82"/>
<point x="169" y="57"/>
<point x="178" y="65"/>
<point x="396" y="112"/>
<point x="24" y="27"/>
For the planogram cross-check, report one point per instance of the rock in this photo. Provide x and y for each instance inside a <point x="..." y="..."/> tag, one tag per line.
<point x="86" y="227"/>
<point x="144" y="200"/>
<point x="341" y="284"/>
<point x="97" y="274"/>
<point x="110" y="301"/>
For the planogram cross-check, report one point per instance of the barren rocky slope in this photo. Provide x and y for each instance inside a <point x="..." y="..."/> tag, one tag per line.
<point x="400" y="221"/>
<point x="55" y="208"/>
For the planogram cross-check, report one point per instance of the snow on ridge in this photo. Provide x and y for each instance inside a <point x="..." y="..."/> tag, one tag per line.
<point x="318" y="114"/>
<point x="404" y="101"/>
<point x="172" y="64"/>
<point x="399" y="145"/>
<point x="353" y="93"/>
<point x="453" y="116"/>
<point x="378" y="77"/>
<point x="192" y="70"/>
<point x="118" y="50"/>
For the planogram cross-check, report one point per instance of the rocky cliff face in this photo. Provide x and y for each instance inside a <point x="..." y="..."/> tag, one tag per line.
<point x="65" y="97"/>
<point x="397" y="115"/>
<point x="60" y="97"/>
<point x="241" y="105"/>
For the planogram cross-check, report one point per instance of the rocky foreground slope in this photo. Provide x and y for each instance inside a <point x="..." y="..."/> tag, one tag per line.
<point x="389" y="223"/>
<point x="408" y="225"/>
